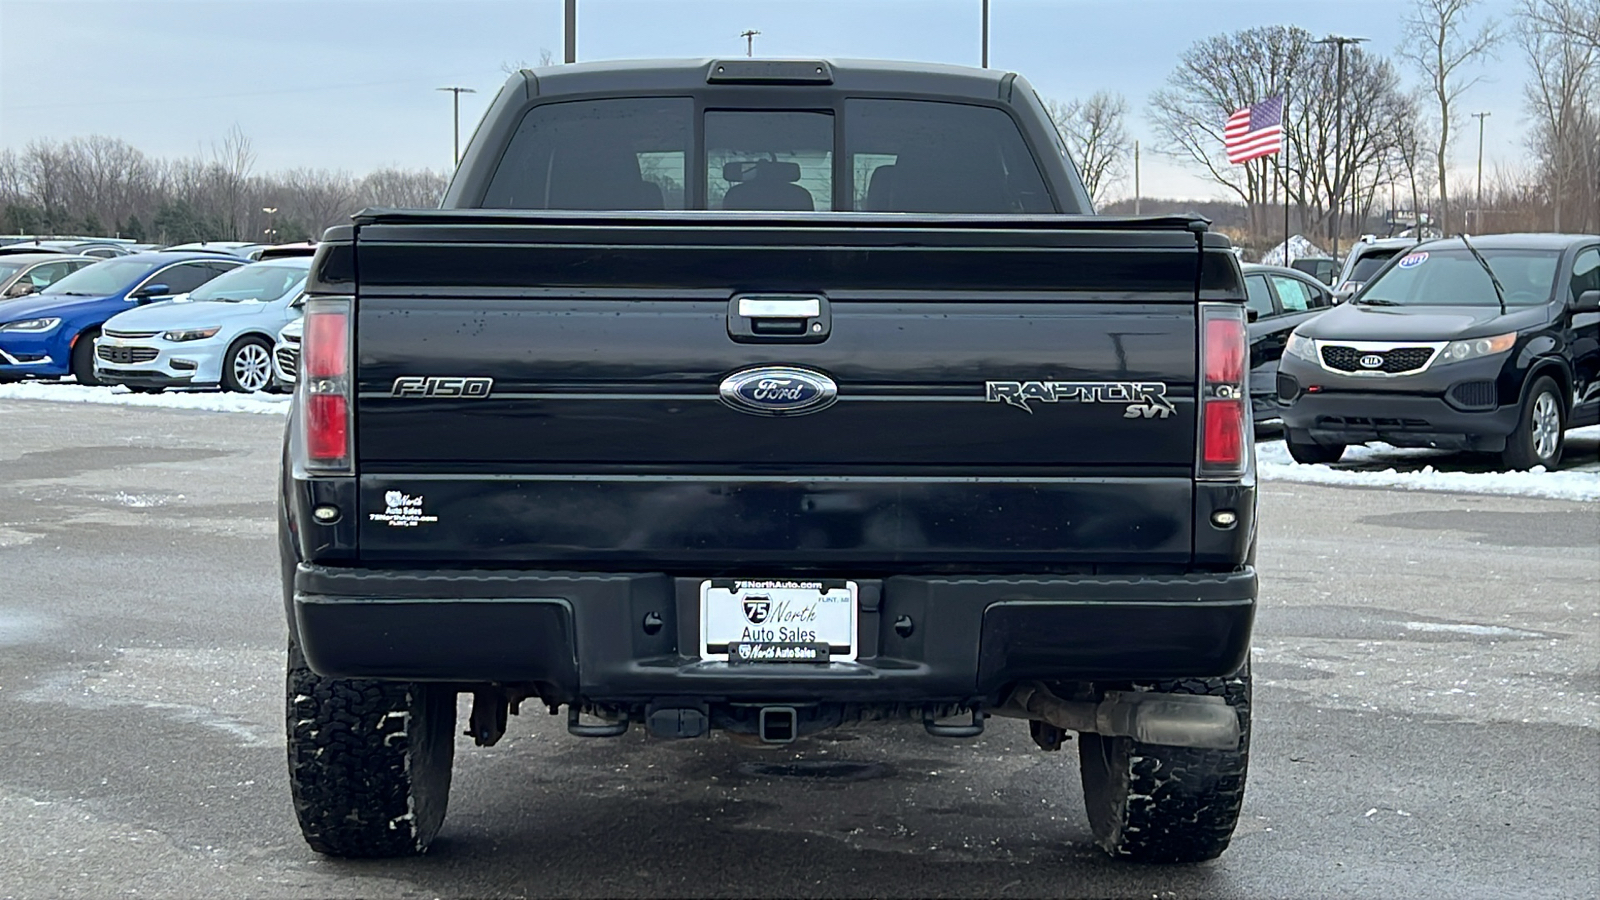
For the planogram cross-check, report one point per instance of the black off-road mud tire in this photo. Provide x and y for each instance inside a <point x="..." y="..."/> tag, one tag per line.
<point x="369" y="761"/>
<point x="1159" y="804"/>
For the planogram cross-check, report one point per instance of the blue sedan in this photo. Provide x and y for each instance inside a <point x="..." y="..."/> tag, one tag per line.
<point x="51" y="334"/>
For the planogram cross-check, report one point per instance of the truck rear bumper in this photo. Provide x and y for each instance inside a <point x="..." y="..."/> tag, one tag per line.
<point x="616" y="638"/>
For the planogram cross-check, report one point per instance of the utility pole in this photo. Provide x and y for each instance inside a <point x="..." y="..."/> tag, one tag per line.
<point x="1136" y="194"/>
<point x="1338" y="134"/>
<point x="986" y="34"/>
<point x="570" y="28"/>
<point x="457" y="91"/>
<point x="749" y="41"/>
<point x="1477" y="224"/>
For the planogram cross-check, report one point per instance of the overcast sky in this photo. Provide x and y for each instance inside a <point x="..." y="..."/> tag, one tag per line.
<point x="349" y="84"/>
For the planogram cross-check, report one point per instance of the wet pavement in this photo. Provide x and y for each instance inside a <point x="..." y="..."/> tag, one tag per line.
<point x="1428" y="718"/>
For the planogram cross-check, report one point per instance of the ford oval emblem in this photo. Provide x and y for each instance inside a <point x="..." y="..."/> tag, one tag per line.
<point x="778" y="391"/>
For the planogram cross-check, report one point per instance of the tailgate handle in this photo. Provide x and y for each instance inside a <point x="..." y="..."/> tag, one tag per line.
<point x="775" y="308"/>
<point x="779" y="318"/>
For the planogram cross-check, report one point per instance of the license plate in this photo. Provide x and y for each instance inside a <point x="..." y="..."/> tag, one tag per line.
<point x="778" y="621"/>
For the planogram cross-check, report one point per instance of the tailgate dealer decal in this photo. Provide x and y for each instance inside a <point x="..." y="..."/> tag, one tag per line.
<point x="402" y="510"/>
<point x="1142" y="399"/>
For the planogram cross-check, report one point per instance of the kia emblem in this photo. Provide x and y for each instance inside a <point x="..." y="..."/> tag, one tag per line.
<point x="1371" y="361"/>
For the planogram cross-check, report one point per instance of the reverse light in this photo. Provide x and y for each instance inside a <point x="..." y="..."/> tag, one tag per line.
<point x="1456" y="351"/>
<point x="191" y="334"/>
<point x="325" y="387"/>
<point x="1223" y="415"/>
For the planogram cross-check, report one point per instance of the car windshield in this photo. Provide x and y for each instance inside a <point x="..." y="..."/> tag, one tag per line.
<point x="259" y="283"/>
<point x="1452" y="277"/>
<point x="1369" y="264"/>
<point x="102" y="278"/>
<point x="8" y="269"/>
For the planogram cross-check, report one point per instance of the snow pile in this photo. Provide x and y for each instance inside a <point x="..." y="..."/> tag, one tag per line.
<point x="1300" y="246"/>
<point x="1273" y="463"/>
<point x="119" y="396"/>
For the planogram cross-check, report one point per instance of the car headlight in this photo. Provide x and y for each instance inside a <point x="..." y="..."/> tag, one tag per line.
<point x="1300" y="346"/>
<point x="1457" y="351"/>
<point x="191" y="334"/>
<point x="34" y="326"/>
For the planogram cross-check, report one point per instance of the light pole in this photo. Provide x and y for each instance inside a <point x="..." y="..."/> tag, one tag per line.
<point x="457" y="91"/>
<point x="570" y="31"/>
<point x="1477" y="224"/>
<point x="986" y="34"/>
<point x="272" y="233"/>
<point x="1340" y="42"/>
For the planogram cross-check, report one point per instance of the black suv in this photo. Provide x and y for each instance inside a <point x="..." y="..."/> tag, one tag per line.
<point x="1484" y="344"/>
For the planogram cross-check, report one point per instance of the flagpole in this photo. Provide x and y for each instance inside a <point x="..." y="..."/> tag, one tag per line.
<point x="1283" y="176"/>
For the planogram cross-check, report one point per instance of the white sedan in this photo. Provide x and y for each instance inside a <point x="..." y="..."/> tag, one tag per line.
<point x="220" y="335"/>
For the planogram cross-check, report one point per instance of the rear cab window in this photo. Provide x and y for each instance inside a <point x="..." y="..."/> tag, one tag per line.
<point x="898" y="156"/>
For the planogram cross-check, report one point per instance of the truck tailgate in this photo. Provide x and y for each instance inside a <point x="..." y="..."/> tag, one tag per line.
<point x="994" y="375"/>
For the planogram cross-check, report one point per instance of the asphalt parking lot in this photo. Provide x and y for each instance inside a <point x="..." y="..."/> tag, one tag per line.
<point x="1428" y="718"/>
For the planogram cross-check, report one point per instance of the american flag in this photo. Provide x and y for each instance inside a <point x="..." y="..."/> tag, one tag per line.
<point x="1255" y="131"/>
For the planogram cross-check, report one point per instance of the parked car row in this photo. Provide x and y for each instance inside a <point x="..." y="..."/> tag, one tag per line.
<point x="155" y="320"/>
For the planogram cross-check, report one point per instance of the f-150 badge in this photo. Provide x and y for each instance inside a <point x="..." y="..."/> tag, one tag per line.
<point x="1144" y="399"/>
<point x="435" y="386"/>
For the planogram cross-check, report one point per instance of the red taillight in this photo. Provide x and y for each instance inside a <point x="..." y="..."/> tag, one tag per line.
<point x="1224" y="351"/>
<point x="325" y="385"/>
<point x="1224" y="418"/>
<point x="327" y="430"/>
<point x="326" y="344"/>
<point x="1224" y="437"/>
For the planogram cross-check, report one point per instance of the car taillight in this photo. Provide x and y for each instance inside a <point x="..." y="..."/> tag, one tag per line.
<point x="1224" y="418"/>
<point x="324" y="383"/>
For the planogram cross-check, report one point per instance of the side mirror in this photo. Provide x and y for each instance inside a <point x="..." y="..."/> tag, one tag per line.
<point x="20" y="289"/>
<point x="1251" y="315"/>
<point x="149" y="291"/>
<point x="1588" y="301"/>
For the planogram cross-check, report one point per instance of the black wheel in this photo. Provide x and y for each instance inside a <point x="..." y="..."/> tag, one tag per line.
<point x="83" y="357"/>
<point x="1152" y="803"/>
<point x="1539" y="438"/>
<point x="369" y="761"/>
<point x="247" y="366"/>
<point x="1308" y="452"/>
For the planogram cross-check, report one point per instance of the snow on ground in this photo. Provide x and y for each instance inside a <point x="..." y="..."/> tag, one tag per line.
<point x="119" y="396"/>
<point x="1371" y="466"/>
<point x="1409" y="470"/>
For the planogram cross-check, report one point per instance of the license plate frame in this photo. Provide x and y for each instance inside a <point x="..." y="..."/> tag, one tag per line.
<point x="760" y="613"/>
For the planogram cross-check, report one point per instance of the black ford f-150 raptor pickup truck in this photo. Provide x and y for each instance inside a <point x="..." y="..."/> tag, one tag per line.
<point x="766" y="397"/>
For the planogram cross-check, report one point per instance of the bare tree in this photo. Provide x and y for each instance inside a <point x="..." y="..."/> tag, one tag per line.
<point x="1097" y="138"/>
<point x="1573" y="20"/>
<point x="318" y="197"/>
<point x="1221" y="74"/>
<point x="403" y="188"/>
<point x="1563" y="94"/>
<point x="232" y="160"/>
<point x="1437" y="41"/>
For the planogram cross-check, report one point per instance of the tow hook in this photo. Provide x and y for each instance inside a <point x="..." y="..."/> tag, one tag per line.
<point x="953" y="731"/>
